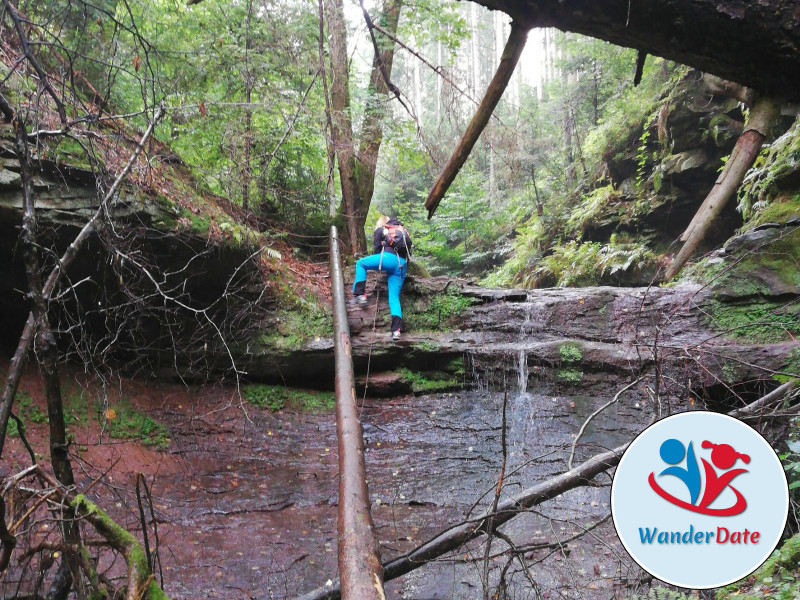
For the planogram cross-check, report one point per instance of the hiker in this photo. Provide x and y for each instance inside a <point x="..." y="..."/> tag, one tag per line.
<point x="391" y="246"/>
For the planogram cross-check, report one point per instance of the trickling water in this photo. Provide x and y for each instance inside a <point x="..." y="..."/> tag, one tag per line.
<point x="522" y="362"/>
<point x="522" y="371"/>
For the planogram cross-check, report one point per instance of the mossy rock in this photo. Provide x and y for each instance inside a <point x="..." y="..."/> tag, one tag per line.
<point x="763" y="262"/>
<point x="784" y="209"/>
<point x="778" y="577"/>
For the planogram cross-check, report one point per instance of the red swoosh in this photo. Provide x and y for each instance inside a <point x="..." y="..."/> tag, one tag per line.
<point x="737" y="508"/>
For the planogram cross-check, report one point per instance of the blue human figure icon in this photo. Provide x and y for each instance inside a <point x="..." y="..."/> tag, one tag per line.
<point x="672" y="452"/>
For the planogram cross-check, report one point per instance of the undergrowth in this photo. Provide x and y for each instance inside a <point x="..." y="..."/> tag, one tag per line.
<point x="123" y="421"/>
<point x="278" y="397"/>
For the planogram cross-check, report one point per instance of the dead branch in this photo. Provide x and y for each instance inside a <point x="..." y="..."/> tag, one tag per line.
<point x="140" y="581"/>
<point x="455" y="536"/>
<point x="379" y="60"/>
<point x="594" y="414"/>
<point x="511" y="53"/>
<point x="775" y="396"/>
<point x="7" y="539"/>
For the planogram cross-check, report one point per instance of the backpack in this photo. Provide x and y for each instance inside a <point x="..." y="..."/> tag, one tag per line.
<point x="396" y="237"/>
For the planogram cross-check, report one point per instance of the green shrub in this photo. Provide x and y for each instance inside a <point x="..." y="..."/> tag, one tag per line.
<point x="570" y="353"/>
<point x="278" y="397"/>
<point x="272" y="397"/>
<point x="570" y="375"/>
<point x="124" y="422"/>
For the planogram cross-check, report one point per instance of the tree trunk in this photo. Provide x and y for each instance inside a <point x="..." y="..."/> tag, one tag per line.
<point x="47" y="356"/>
<point x="752" y="43"/>
<point x="342" y="123"/>
<point x="511" y="54"/>
<point x="329" y="138"/>
<point x="744" y="154"/>
<point x="374" y="113"/>
<point x="357" y="174"/>
<point x="248" y="112"/>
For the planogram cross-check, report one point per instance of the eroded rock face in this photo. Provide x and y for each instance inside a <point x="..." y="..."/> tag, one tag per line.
<point x="589" y="340"/>
<point x="671" y="166"/>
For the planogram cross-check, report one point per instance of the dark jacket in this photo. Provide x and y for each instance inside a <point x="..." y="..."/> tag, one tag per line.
<point x="378" y="241"/>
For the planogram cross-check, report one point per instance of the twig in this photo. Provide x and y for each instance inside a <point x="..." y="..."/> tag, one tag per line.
<point x="594" y="414"/>
<point x="12" y="11"/>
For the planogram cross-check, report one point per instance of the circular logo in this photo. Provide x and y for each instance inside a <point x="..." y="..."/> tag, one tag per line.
<point x="699" y="500"/>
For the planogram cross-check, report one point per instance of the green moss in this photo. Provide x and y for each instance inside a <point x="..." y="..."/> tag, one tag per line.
<point x="758" y="323"/>
<point x="775" y="162"/>
<point x="312" y="400"/>
<point x="272" y="397"/>
<point x="440" y="313"/>
<point x="429" y="346"/>
<point x="68" y="151"/>
<point x="296" y="321"/>
<point x="198" y="223"/>
<point x="121" y="538"/>
<point x="791" y="369"/>
<point x="122" y="421"/>
<point x="781" y="210"/>
<point x="277" y="397"/>
<point x="429" y="381"/>
<point x="293" y="328"/>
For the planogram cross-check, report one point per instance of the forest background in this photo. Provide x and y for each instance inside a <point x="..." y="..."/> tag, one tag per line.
<point x="246" y="86"/>
<point x="275" y="108"/>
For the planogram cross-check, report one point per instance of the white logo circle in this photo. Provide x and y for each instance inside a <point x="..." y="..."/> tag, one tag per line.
<point x="699" y="500"/>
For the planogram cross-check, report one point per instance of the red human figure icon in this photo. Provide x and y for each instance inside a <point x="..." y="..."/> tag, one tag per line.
<point x="724" y="457"/>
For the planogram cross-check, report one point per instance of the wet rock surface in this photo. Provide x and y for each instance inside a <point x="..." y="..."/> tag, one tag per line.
<point x="247" y="499"/>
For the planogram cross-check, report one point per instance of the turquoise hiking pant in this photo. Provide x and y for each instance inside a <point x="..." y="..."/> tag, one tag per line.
<point x="395" y="269"/>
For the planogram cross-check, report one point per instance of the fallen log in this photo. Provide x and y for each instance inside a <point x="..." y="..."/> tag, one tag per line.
<point x="455" y="536"/>
<point x="763" y="115"/>
<point x="511" y="53"/>
<point x="359" y="552"/>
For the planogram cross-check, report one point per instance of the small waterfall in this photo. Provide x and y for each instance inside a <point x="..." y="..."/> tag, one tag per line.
<point x="522" y="371"/>
<point x="522" y="359"/>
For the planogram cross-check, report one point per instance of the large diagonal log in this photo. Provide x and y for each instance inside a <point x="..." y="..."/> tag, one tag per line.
<point x="762" y="116"/>
<point x="509" y="60"/>
<point x="753" y="43"/>
<point x="454" y="537"/>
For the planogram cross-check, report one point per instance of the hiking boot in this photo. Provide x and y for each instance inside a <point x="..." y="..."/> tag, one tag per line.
<point x="360" y="300"/>
<point x="396" y="335"/>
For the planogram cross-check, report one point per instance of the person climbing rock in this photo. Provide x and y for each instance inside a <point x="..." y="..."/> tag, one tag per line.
<point x="391" y="247"/>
